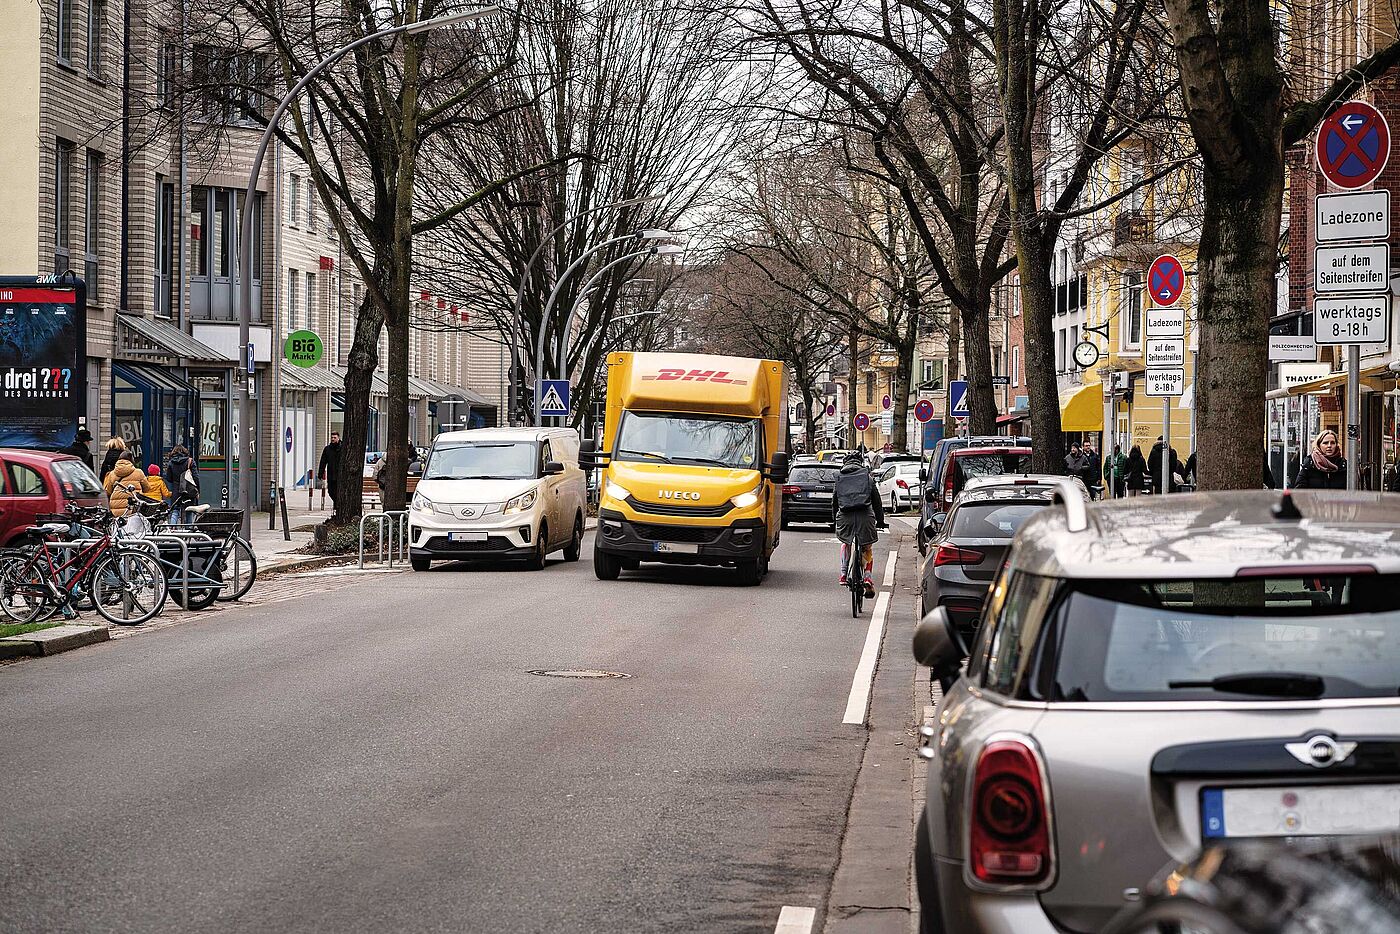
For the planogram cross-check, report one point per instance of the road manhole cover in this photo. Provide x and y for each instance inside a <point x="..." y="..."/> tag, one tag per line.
<point x="577" y="673"/>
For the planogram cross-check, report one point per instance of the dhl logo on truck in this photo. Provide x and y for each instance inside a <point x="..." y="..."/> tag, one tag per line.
<point x="699" y="376"/>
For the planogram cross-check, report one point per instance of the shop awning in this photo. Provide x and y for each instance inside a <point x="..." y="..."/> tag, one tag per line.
<point x="379" y="386"/>
<point x="444" y="391"/>
<point x="1013" y="417"/>
<point x="314" y="377"/>
<point x="151" y="337"/>
<point x="1082" y="409"/>
<point x="152" y="377"/>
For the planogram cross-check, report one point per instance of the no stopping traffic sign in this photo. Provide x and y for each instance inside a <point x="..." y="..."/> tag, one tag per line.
<point x="923" y="410"/>
<point x="1353" y="145"/>
<point x="862" y="421"/>
<point x="1165" y="280"/>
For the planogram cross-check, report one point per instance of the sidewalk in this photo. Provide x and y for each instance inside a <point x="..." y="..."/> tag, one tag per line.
<point x="271" y="548"/>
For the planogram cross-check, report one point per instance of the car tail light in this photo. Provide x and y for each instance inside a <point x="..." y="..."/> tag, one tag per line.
<point x="1009" y="821"/>
<point x="790" y="488"/>
<point x="948" y="490"/>
<point x="901" y="484"/>
<point x="949" y="554"/>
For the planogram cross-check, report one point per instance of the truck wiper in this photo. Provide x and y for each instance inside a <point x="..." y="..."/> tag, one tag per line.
<point x="1263" y="683"/>
<point x="652" y="454"/>
<point x="703" y="460"/>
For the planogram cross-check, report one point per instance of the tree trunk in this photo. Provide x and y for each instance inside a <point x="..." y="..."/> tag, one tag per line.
<point x="810" y="426"/>
<point x="952" y="369"/>
<point x="1038" y="320"/>
<point x="853" y="378"/>
<point x="899" y="396"/>
<point x="395" y="472"/>
<point x="354" y="433"/>
<point x="981" y="395"/>
<point x="1235" y="268"/>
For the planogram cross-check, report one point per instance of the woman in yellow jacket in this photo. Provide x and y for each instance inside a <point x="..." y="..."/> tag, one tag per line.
<point x="124" y="474"/>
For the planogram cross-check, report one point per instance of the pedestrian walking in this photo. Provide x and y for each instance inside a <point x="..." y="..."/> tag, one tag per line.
<point x="1135" y="472"/>
<point x="1093" y="469"/>
<point x="1392" y="478"/>
<point x="329" y="468"/>
<point x="114" y="448"/>
<point x="1324" y="468"/>
<point x="1154" y="468"/>
<point x="155" y="484"/>
<point x="123" y="481"/>
<point x="1114" y="470"/>
<point x="79" y="447"/>
<point x="182" y="476"/>
<point x="1076" y="464"/>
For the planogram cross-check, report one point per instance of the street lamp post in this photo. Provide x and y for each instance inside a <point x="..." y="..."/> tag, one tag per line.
<point x="664" y="249"/>
<point x="554" y="297"/>
<point x="525" y="281"/>
<point x="244" y="267"/>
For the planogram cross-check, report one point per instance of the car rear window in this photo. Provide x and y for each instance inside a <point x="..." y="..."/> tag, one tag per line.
<point x="77" y="476"/>
<point x="993" y="464"/>
<point x="1161" y="640"/>
<point x="813" y="475"/>
<point x="991" y="520"/>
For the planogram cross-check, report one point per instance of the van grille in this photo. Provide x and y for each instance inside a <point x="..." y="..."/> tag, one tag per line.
<point x="676" y="533"/>
<point x="676" y="509"/>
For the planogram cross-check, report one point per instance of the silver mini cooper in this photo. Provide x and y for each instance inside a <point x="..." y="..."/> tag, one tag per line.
<point x="1151" y="675"/>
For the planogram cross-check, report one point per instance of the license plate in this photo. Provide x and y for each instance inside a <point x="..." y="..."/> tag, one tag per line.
<point x="819" y="496"/>
<point x="675" y="548"/>
<point x="466" y="536"/>
<point x="1300" y="811"/>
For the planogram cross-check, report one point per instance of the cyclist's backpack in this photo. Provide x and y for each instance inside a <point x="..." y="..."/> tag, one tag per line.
<point x="853" y="490"/>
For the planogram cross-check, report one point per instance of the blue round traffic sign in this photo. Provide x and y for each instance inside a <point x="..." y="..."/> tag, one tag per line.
<point x="1165" y="280"/>
<point x="862" y="421"/>
<point x="1353" y="145"/>
<point x="287" y="439"/>
<point x="923" y="410"/>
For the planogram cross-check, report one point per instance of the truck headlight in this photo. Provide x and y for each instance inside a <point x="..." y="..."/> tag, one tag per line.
<point x="522" y="502"/>
<point x="421" y="503"/>
<point x="745" y="500"/>
<point x="617" y="491"/>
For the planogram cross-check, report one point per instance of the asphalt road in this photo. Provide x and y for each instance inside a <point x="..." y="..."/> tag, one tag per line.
<point x="377" y="757"/>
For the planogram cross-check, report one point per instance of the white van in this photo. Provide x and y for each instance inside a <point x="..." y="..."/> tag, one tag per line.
<point x="498" y="493"/>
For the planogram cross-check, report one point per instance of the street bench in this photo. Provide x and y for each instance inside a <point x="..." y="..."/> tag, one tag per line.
<point x="370" y="491"/>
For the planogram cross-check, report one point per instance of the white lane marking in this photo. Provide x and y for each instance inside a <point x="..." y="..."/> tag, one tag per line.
<point x="889" y="569"/>
<point x="795" y="920"/>
<point x="864" y="677"/>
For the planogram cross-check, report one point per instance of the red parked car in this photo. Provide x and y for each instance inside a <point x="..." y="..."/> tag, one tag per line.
<point x="964" y="463"/>
<point x="37" y="482"/>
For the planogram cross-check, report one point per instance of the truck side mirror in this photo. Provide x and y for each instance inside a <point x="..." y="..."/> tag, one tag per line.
<point x="778" y="467"/>
<point x="923" y="475"/>
<point x="938" y="645"/>
<point x="588" y="456"/>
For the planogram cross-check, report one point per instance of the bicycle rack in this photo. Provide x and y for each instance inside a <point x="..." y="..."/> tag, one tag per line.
<point x="391" y="530"/>
<point x="182" y="541"/>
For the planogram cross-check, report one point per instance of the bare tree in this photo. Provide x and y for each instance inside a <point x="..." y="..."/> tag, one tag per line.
<point x="1245" y="109"/>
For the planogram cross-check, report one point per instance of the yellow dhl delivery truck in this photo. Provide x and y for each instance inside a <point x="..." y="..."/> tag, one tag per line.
<point x="692" y="462"/>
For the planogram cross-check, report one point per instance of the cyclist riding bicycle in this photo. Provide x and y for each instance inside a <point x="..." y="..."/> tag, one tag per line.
<point x="857" y="511"/>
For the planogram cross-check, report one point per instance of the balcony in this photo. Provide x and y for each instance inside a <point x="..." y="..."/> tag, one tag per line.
<point x="1131" y="227"/>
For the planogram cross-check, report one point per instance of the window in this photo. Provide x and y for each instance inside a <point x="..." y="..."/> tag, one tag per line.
<point x="1010" y="648"/>
<point x="199" y="231"/>
<point x="293" y="280"/>
<point x="25" y="481"/>
<point x="231" y="82"/>
<point x="1130" y="328"/>
<point x="168" y="75"/>
<point x="222" y="235"/>
<point x="92" y="220"/>
<point x="1015" y="366"/>
<point x="294" y="199"/>
<point x="62" y="203"/>
<point x="96" y="24"/>
<point x="65" y="30"/>
<point x="869" y="388"/>
<point x="312" y="300"/>
<point x="310" y="206"/>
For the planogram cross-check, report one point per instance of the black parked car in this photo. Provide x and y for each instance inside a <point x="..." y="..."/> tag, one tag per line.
<point x="807" y="493"/>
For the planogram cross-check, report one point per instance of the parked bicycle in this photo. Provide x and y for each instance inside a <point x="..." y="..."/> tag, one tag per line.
<point x="64" y="570"/>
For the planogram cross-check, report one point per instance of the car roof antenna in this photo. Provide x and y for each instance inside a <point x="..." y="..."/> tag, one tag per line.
<point x="1285" y="509"/>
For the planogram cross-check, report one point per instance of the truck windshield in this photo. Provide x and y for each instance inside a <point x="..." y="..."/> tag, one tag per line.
<point x="688" y="439"/>
<point x="1193" y="640"/>
<point x="496" y="460"/>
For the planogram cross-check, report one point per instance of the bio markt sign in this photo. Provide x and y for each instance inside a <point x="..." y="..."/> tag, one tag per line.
<point x="303" y="348"/>
<point x="1361" y="320"/>
<point x="43" y="347"/>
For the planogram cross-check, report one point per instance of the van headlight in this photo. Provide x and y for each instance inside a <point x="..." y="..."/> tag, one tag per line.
<point x="745" y="500"/>
<point x="617" y="491"/>
<point x="522" y="502"/>
<point x="421" y="503"/>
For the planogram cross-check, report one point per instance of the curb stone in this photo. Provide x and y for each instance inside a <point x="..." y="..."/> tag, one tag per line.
<point x="53" y="640"/>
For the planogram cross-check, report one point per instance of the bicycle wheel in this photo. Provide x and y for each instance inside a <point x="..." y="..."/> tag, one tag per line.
<point x="128" y="587"/>
<point x="856" y="582"/>
<point x="23" y="590"/>
<point x="240" y="567"/>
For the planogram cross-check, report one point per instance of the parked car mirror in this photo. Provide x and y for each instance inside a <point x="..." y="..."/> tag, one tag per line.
<point x="553" y="467"/>
<point x="938" y="645"/>
<point x="935" y="522"/>
<point x="923" y="475"/>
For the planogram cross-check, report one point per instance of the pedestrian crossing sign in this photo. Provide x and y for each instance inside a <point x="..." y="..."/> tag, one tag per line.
<point x="554" y="397"/>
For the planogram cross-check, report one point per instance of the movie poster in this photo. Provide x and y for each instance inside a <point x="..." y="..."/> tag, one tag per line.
<point x="43" y="392"/>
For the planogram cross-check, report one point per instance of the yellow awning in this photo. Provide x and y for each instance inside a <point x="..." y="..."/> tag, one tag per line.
<point x="1082" y="409"/>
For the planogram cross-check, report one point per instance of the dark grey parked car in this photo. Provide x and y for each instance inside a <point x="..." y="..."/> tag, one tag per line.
<point x="966" y="552"/>
<point x="1153" y="676"/>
